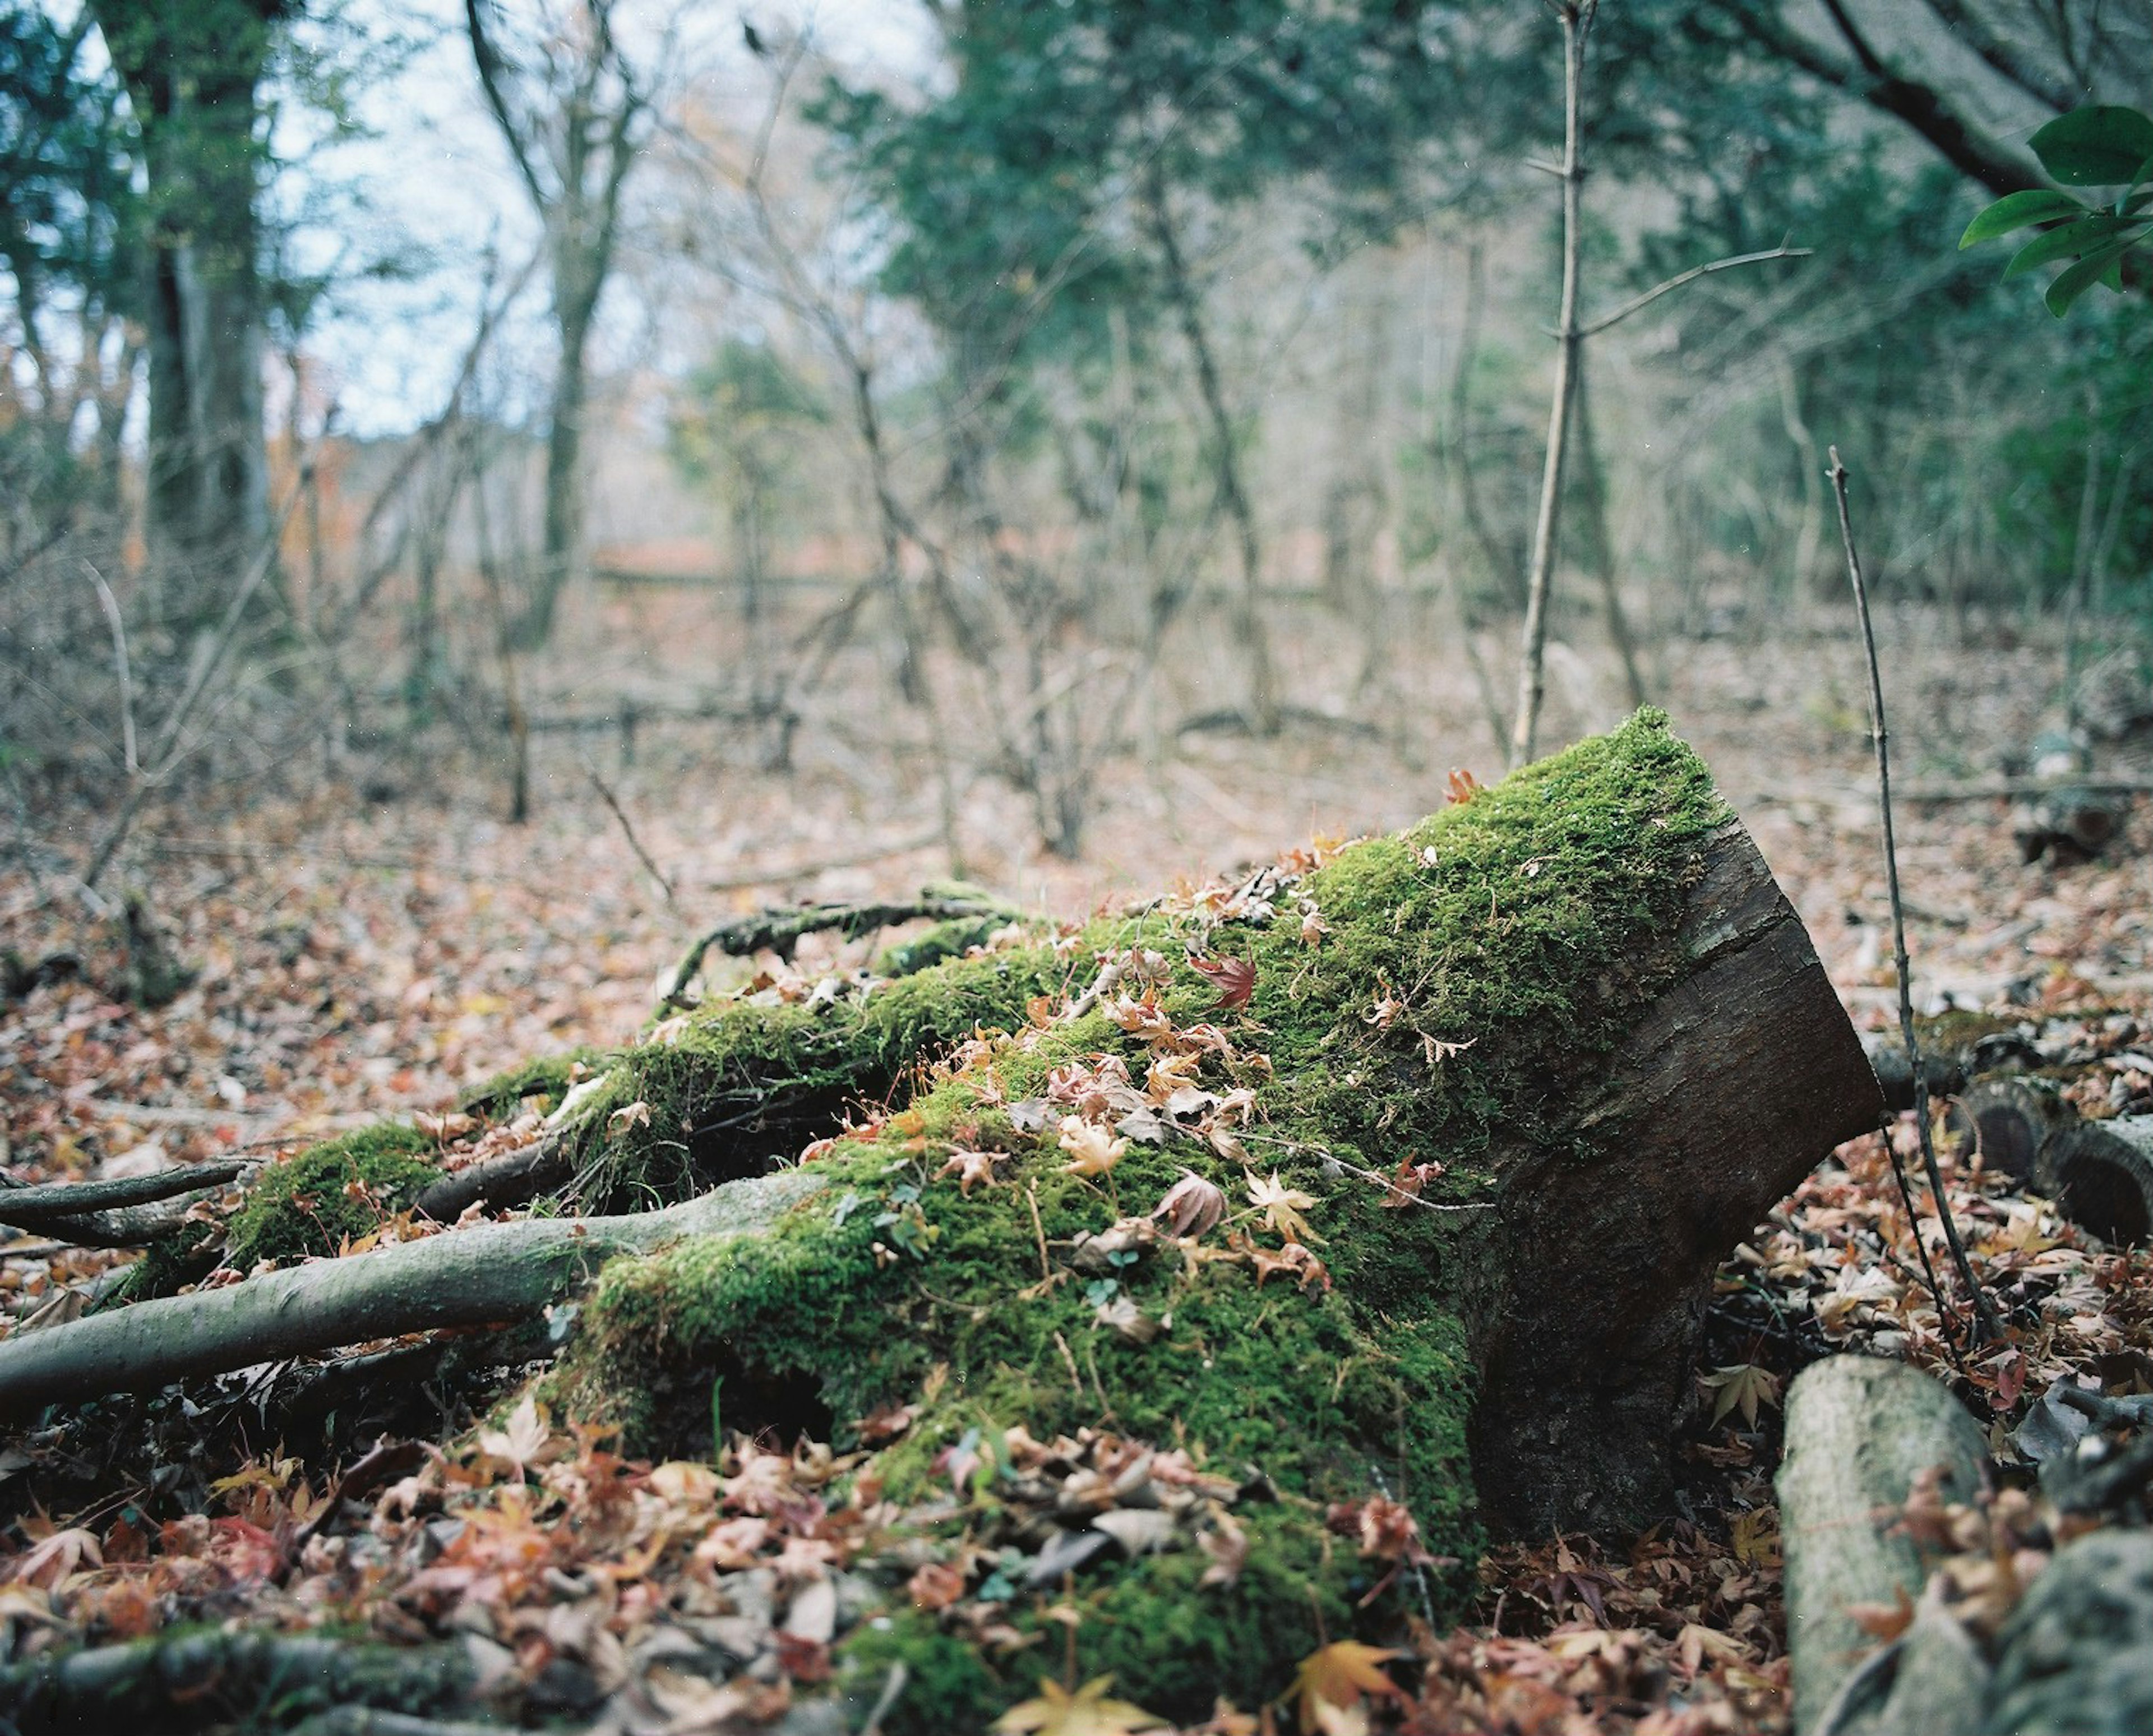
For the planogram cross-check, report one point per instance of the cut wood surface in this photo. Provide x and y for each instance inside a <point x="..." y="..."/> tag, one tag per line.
<point x="2100" y="1173"/>
<point x="1727" y="1091"/>
<point x="1859" y="1430"/>
<point x="2008" y="1120"/>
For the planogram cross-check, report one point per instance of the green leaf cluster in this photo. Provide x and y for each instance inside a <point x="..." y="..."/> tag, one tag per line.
<point x="2101" y="145"/>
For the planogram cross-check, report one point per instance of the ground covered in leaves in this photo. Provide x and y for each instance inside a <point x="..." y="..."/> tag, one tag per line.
<point x="349" y="962"/>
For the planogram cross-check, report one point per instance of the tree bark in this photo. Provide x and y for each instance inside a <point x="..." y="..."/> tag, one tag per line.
<point x="192" y="73"/>
<point x="1585" y="1360"/>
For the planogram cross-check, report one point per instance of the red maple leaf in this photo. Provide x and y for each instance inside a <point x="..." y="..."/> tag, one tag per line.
<point x="1234" y="979"/>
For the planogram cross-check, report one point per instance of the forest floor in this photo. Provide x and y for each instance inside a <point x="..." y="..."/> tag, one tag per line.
<point x="357" y="957"/>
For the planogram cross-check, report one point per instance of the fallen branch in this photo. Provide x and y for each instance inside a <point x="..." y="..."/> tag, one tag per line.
<point x="509" y="1178"/>
<point x="484" y="1276"/>
<point x="780" y="931"/>
<point x="205" y="1676"/>
<point x="1981" y="789"/>
<point x="33" y="1207"/>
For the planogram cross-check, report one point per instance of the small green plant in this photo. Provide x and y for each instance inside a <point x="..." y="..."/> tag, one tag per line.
<point x="2101" y="145"/>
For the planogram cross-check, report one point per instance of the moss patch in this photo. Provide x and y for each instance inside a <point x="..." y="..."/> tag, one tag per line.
<point x="1418" y="1000"/>
<point x="312" y="1204"/>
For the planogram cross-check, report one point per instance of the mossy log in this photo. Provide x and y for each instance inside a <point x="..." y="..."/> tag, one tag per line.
<point x="210" y="1676"/>
<point x="2100" y="1173"/>
<point x="1491" y="1097"/>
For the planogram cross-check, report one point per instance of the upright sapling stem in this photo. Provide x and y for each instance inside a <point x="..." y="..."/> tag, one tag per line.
<point x="1988" y="1327"/>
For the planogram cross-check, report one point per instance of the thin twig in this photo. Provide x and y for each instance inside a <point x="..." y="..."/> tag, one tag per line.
<point x="1594" y="327"/>
<point x="110" y="604"/>
<point x="780" y="931"/>
<point x="1987" y="1325"/>
<point x="170" y="748"/>
<point x="635" y="843"/>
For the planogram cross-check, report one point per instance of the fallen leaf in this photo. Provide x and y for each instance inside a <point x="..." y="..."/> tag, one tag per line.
<point x="1282" y="1207"/>
<point x="971" y="1166"/>
<point x="1234" y="979"/>
<point x="1191" y="1206"/>
<point x="1056" y="1712"/>
<point x="1092" y="1150"/>
<point x="1337" y="1675"/>
<point x="1127" y="1320"/>
<point x="1742" y="1388"/>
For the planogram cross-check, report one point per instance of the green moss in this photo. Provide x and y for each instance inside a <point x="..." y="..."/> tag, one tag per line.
<point x="313" y="1202"/>
<point x="937" y="944"/>
<point x="949" y="1687"/>
<point x="548" y="1080"/>
<point x="731" y="1089"/>
<point x="1468" y="968"/>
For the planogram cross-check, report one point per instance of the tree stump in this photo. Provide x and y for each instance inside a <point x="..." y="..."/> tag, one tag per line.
<point x="1396" y="1174"/>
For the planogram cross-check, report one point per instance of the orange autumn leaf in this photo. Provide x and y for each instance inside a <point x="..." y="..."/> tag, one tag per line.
<point x="1337" y="1675"/>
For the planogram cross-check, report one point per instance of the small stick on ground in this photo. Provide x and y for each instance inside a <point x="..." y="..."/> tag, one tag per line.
<point x="635" y="843"/>
<point x="1987" y="1328"/>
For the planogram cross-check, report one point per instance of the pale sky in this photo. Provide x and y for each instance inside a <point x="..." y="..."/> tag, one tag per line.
<point x="438" y="182"/>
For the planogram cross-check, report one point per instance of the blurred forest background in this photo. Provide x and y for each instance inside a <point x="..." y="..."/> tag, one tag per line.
<point x="1061" y="443"/>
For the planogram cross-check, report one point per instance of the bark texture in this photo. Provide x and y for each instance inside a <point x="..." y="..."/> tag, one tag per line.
<point x="486" y="1276"/>
<point x="1725" y="1093"/>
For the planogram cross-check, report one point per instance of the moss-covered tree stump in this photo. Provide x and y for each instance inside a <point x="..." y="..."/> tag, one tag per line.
<point x="1219" y="1271"/>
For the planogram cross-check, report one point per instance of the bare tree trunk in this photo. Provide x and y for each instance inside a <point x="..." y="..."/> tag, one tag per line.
<point x="561" y="545"/>
<point x="1248" y="626"/>
<point x="1593" y="486"/>
<point x="192" y="75"/>
<point x="1576" y="16"/>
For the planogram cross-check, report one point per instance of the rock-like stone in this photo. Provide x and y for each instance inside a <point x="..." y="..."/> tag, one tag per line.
<point x="1859" y="1430"/>
<point x="2076" y="1657"/>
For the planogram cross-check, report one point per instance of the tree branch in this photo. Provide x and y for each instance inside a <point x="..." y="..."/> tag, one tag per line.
<point x="1917" y="105"/>
<point x="35" y="1208"/>
<point x="1593" y="328"/>
<point x="489" y="64"/>
<point x="485" y="1275"/>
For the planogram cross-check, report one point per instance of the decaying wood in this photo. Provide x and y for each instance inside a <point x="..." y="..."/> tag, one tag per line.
<point x="1895" y="1069"/>
<point x="2100" y="1173"/>
<point x="2007" y="1121"/>
<point x="508" y="1178"/>
<point x="33" y="1207"/>
<point x="2067" y="825"/>
<point x="484" y="1276"/>
<point x="1859" y="1430"/>
<point x="127" y="1212"/>
<point x="1729" y="1089"/>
